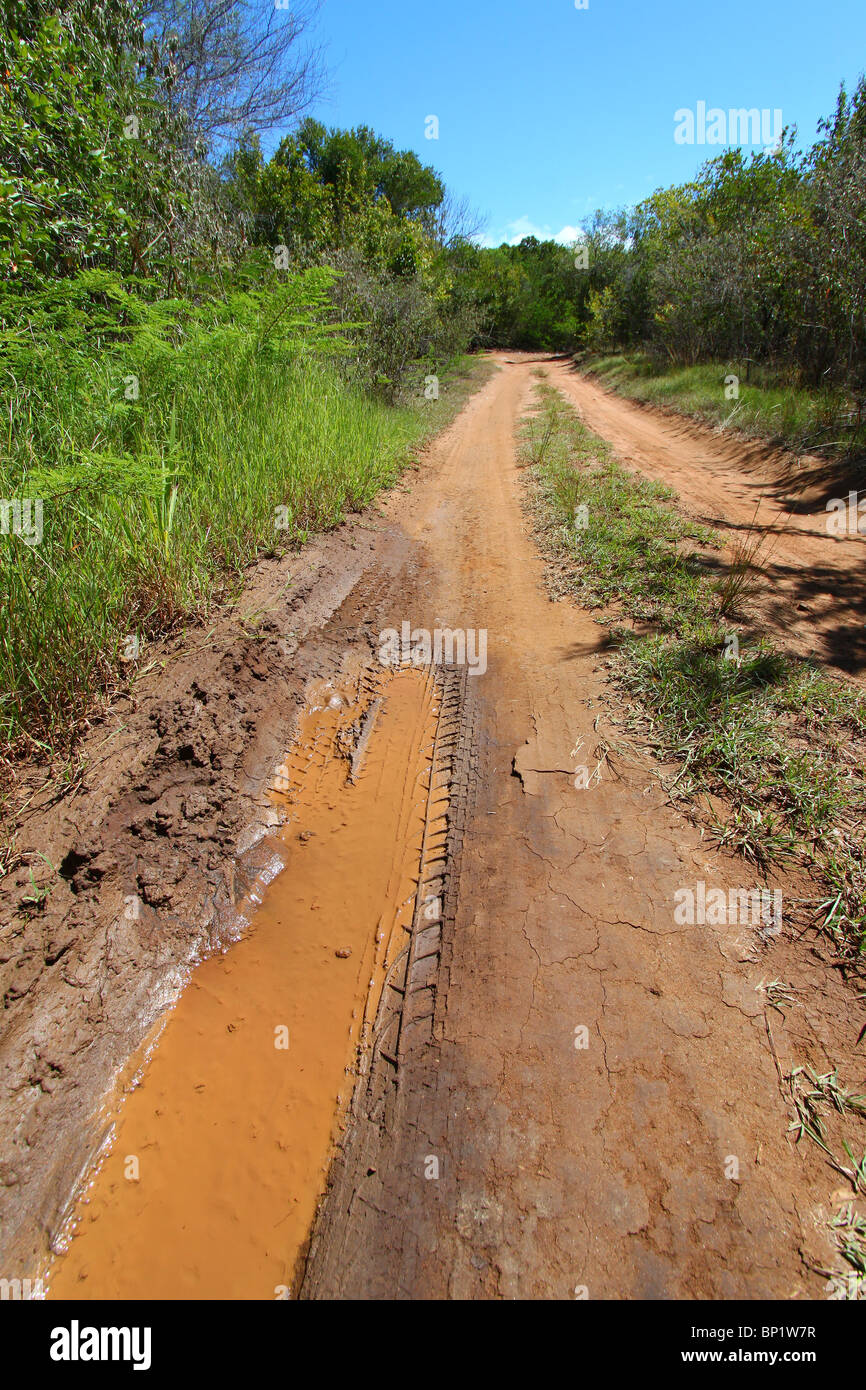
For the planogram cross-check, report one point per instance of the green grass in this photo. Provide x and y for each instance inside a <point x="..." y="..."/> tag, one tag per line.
<point x="780" y="744"/>
<point x="820" y="1104"/>
<point x="849" y="1228"/>
<point x="630" y="541"/>
<point x="154" y="506"/>
<point x="799" y="417"/>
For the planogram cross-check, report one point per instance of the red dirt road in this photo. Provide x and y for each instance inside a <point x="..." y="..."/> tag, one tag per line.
<point x="585" y="1101"/>
<point x="814" y="595"/>
<point x="602" y="1169"/>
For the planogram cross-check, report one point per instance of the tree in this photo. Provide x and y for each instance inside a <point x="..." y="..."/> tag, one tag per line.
<point x="230" y="68"/>
<point x="839" y="185"/>
<point x="73" y="178"/>
<point x="360" y="166"/>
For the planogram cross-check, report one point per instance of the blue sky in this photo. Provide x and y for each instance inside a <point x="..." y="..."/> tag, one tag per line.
<point x="547" y="112"/>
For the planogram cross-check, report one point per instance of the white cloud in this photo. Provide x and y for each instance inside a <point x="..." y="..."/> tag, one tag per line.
<point x="568" y="236"/>
<point x="514" y="232"/>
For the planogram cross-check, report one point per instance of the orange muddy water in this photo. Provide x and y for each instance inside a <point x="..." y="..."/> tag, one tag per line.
<point x="219" y="1153"/>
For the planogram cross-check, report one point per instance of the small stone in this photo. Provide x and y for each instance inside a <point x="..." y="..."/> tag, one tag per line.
<point x="343" y="953"/>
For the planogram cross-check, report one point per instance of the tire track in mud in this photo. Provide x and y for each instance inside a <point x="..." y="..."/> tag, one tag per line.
<point x="221" y="1144"/>
<point x="163" y="848"/>
<point x="391" y="1082"/>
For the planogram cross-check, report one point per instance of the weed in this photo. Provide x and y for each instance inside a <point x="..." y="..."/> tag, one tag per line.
<point x="778" y="995"/>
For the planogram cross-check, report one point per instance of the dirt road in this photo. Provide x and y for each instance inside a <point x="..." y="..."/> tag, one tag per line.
<point x="813" y="595"/>
<point x="562" y="1168"/>
<point x="584" y="1103"/>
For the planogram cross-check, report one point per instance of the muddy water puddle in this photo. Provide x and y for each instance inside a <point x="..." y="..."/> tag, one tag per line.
<point x="221" y="1143"/>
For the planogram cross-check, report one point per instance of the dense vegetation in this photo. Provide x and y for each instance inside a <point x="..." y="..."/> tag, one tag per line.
<point x="203" y="356"/>
<point x="756" y="268"/>
<point x="761" y="258"/>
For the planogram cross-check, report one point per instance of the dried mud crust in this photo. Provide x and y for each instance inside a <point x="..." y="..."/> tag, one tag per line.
<point x="403" y="1047"/>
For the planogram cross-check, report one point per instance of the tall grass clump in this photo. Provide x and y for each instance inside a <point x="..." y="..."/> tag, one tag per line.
<point x="169" y="443"/>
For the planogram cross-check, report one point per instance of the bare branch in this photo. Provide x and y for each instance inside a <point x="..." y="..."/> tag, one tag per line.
<point x="234" y="66"/>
